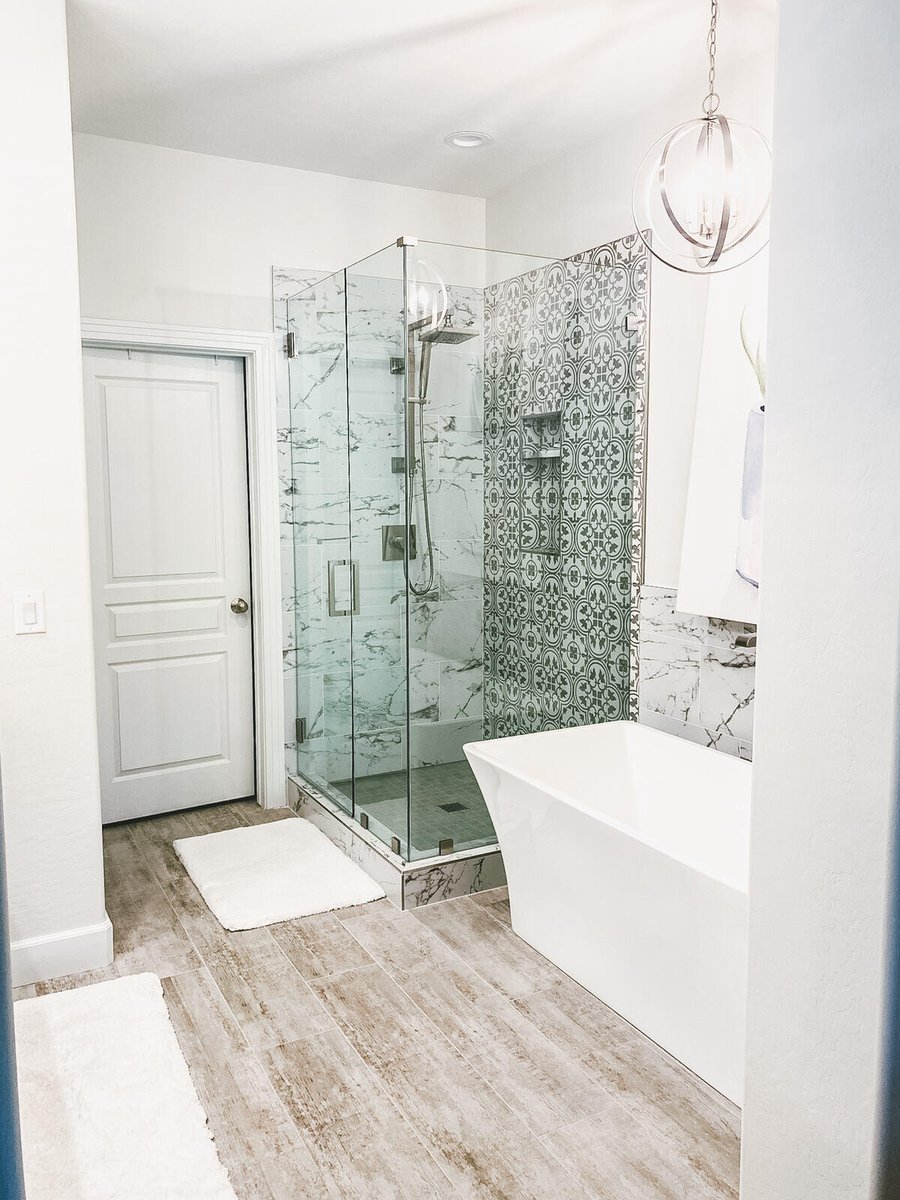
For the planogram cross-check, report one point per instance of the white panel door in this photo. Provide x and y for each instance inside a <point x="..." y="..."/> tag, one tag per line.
<point x="170" y="550"/>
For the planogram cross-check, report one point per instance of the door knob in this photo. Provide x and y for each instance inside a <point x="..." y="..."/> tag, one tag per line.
<point x="240" y="605"/>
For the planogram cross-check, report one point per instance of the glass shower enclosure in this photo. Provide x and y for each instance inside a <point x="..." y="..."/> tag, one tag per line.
<point x="387" y="385"/>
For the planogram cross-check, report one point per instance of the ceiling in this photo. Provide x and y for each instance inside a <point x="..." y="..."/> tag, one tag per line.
<point x="369" y="88"/>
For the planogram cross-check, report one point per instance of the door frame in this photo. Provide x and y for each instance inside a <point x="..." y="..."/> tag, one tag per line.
<point x="257" y="349"/>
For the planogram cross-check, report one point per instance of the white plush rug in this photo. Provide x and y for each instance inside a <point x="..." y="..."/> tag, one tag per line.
<point x="108" y="1108"/>
<point x="260" y="874"/>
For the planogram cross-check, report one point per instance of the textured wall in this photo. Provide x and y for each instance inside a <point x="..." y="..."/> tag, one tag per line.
<point x="559" y="638"/>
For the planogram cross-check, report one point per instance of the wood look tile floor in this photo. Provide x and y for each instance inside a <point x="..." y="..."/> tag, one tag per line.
<point x="373" y="1054"/>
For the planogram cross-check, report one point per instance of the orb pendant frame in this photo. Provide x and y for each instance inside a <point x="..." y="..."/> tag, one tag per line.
<point x="656" y="211"/>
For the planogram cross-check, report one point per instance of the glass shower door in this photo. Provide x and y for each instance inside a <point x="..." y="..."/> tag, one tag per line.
<point x="326" y="582"/>
<point x="376" y="455"/>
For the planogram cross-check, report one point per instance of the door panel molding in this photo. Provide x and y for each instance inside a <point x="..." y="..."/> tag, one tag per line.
<point x="257" y="349"/>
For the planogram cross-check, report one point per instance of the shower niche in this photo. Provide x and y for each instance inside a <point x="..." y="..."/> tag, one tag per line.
<point x="541" y="481"/>
<point x="387" y="395"/>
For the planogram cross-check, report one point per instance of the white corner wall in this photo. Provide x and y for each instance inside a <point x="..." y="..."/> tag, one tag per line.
<point x="827" y="678"/>
<point x="48" y="730"/>
<point x="173" y="237"/>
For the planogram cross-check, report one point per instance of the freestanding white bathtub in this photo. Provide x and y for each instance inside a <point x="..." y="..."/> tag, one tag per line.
<point x="626" y="852"/>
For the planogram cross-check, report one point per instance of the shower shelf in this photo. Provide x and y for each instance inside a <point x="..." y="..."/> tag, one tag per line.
<point x="544" y="454"/>
<point x="537" y="415"/>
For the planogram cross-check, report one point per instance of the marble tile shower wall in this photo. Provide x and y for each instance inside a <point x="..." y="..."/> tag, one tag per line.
<point x="334" y="500"/>
<point x="287" y="282"/>
<point x="694" y="681"/>
<point x="565" y="382"/>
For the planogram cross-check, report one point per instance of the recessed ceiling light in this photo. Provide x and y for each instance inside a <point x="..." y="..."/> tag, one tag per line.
<point x="468" y="139"/>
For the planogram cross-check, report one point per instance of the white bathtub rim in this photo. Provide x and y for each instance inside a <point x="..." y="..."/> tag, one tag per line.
<point x="479" y="750"/>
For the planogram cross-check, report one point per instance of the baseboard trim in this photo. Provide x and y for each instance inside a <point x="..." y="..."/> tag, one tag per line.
<point x="88" y="948"/>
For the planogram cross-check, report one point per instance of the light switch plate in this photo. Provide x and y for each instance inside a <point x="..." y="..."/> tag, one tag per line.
<point x="30" y="614"/>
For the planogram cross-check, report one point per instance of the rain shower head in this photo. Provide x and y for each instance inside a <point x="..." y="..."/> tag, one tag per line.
<point x="447" y="334"/>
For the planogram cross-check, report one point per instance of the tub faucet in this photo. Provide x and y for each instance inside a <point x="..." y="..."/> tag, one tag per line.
<point x="744" y="641"/>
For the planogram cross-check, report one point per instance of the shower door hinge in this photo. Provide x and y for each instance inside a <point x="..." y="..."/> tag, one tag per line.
<point x="290" y="345"/>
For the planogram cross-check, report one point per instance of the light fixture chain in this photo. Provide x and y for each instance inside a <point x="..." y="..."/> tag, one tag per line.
<point x="711" y="101"/>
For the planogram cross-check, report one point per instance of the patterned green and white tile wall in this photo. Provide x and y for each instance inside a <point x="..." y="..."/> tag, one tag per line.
<point x="560" y="626"/>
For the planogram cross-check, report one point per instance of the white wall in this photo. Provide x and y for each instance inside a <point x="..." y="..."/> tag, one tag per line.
<point x="190" y="239"/>
<point x="583" y="199"/>
<point x="48" y="731"/>
<point x="826" y="730"/>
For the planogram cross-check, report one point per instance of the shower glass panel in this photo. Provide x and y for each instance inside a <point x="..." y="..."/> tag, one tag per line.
<point x="381" y="700"/>
<point x="324" y="579"/>
<point x="447" y="505"/>
<point x="388" y="388"/>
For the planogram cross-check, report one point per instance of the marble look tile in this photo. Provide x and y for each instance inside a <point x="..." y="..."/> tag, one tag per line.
<point x="462" y="451"/>
<point x="713" y="738"/>
<point x="432" y="742"/>
<point x="378" y="641"/>
<point x="380" y="696"/>
<point x="323" y="645"/>
<point x="456" y="509"/>
<point x="727" y="688"/>
<point x="450" y="630"/>
<point x="327" y="758"/>
<point x="288" y="281"/>
<point x="462" y="685"/>
<point x="379" y="751"/>
<point x="714" y="708"/>
<point x="670" y="679"/>
<point x="443" y="881"/>
<point x="322" y="516"/>
<point x="308" y="701"/>
<point x="461" y="567"/>
<point x="722" y="634"/>
<point x="456" y="386"/>
<point x="659" y="618"/>
<point x="337" y="703"/>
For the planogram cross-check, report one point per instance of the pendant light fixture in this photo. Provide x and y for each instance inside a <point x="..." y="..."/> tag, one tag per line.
<point x="701" y="197"/>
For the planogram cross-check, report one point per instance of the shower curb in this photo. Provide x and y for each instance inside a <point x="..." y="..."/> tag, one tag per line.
<point x="407" y="884"/>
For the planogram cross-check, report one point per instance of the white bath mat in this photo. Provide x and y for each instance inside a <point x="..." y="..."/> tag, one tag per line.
<point x="260" y="874"/>
<point x="108" y="1108"/>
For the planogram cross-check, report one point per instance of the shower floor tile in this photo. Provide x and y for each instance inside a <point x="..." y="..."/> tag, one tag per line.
<point x="430" y="1053"/>
<point x="445" y="802"/>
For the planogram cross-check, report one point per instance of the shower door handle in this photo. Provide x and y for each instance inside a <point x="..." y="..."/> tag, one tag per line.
<point x="343" y="587"/>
